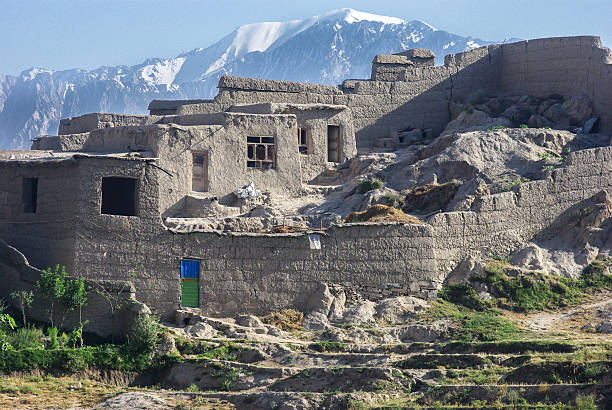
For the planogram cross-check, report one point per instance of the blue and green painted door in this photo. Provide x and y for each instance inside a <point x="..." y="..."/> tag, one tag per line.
<point x="190" y="283"/>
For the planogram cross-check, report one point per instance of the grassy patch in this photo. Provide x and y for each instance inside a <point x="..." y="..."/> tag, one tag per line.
<point x="537" y="290"/>
<point x="328" y="347"/>
<point x="53" y="392"/>
<point x="472" y="325"/>
<point x="221" y="350"/>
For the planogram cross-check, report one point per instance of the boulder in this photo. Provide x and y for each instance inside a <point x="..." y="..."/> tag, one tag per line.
<point x="201" y="330"/>
<point x="517" y="114"/>
<point x="320" y="300"/>
<point x="466" y="269"/>
<point x="316" y="321"/>
<point x="530" y="257"/>
<point x="399" y="309"/>
<point x="556" y="114"/>
<point x="360" y="312"/>
<point x="248" y="321"/>
<point x="538" y="121"/>
<point x="591" y="125"/>
<point x="578" y="108"/>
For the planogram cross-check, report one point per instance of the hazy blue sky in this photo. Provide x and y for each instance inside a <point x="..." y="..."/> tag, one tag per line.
<point x="61" y="34"/>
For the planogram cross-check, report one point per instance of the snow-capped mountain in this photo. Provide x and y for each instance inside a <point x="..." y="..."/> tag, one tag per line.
<point x="322" y="49"/>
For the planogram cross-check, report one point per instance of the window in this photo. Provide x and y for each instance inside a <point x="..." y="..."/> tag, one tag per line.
<point x="190" y="283"/>
<point x="118" y="196"/>
<point x="261" y="152"/>
<point x="303" y="141"/>
<point x="333" y="143"/>
<point x="30" y="195"/>
<point x="199" y="172"/>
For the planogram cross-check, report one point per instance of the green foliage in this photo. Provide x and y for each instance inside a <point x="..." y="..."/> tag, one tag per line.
<point x="496" y="127"/>
<point x="471" y="325"/>
<point x="111" y="357"/>
<point x="394" y="200"/>
<point x="462" y="294"/>
<point x="523" y="126"/>
<point x="75" y="295"/>
<point x="24" y="299"/>
<point x="51" y="286"/>
<point x="7" y="322"/>
<point x="369" y="184"/>
<point x="53" y="341"/>
<point x="326" y="347"/>
<point x="586" y="402"/>
<point x="76" y="335"/>
<point x="509" y="185"/>
<point x="26" y="338"/>
<point x="144" y="336"/>
<point x="537" y="290"/>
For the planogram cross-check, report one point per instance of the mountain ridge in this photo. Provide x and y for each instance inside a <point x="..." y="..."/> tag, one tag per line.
<point x="322" y="49"/>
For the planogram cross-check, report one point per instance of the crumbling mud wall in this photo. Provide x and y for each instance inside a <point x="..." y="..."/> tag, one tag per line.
<point x="418" y="97"/>
<point x="111" y="306"/>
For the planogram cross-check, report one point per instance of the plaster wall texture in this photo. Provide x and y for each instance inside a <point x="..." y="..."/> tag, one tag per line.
<point x="101" y="320"/>
<point x="259" y="273"/>
<point x="88" y="122"/>
<point x="417" y="97"/>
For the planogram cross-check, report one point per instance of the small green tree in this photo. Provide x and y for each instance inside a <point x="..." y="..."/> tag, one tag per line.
<point x="144" y="336"/>
<point x="24" y="299"/>
<point x="75" y="297"/>
<point x="51" y="287"/>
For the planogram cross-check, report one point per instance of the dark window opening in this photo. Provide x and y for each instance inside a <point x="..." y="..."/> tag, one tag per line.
<point x="30" y="195"/>
<point x="199" y="172"/>
<point x="118" y="196"/>
<point x="303" y="141"/>
<point x="261" y="152"/>
<point x="333" y="143"/>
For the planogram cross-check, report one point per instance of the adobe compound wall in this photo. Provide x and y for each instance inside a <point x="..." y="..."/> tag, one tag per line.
<point x="260" y="273"/>
<point x="419" y="98"/>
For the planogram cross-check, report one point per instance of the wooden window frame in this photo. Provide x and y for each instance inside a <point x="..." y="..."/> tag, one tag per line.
<point x="261" y="152"/>
<point x="304" y="143"/>
<point x="204" y="176"/>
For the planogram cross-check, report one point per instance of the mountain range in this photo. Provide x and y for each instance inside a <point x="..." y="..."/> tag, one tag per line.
<point x="323" y="49"/>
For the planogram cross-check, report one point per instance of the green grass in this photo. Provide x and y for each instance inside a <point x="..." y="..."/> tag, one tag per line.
<point x="472" y="325"/>
<point x="73" y="360"/>
<point x="539" y="291"/>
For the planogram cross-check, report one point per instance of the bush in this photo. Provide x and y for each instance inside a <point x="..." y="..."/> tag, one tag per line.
<point x="462" y="294"/>
<point x="287" y="320"/>
<point x="144" y="336"/>
<point x="496" y="127"/>
<point x="369" y="184"/>
<point x="26" y="338"/>
<point x="53" y="342"/>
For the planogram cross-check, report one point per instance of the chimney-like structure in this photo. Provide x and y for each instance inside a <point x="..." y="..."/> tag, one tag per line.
<point x="392" y="67"/>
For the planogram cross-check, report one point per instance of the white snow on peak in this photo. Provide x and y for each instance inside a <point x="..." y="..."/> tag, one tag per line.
<point x="354" y="16"/>
<point x="33" y="72"/>
<point x="162" y="72"/>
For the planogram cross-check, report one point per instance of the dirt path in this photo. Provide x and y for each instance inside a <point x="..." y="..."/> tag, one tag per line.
<point x="570" y="319"/>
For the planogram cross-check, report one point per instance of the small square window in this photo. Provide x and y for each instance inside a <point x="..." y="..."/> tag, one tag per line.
<point x="118" y="196"/>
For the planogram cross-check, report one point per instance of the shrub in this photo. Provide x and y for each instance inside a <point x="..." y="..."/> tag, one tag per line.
<point x="496" y="127"/>
<point x="26" y="338"/>
<point x="394" y="200"/>
<point x="53" y="341"/>
<point x="462" y="294"/>
<point x="287" y="319"/>
<point x="51" y="286"/>
<point x="523" y="126"/>
<point x="144" y="336"/>
<point x="369" y="184"/>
